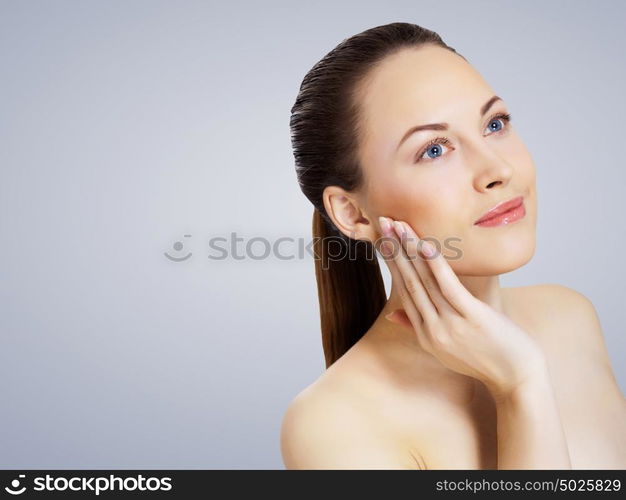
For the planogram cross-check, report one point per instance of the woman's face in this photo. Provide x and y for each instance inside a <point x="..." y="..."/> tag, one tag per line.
<point x="441" y="189"/>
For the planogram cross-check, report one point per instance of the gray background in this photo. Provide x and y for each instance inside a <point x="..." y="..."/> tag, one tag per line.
<point x="126" y="125"/>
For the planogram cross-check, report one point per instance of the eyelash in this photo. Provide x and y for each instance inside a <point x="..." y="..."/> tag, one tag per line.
<point x="505" y="117"/>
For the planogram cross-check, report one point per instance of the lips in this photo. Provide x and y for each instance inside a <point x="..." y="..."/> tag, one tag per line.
<point x="501" y="208"/>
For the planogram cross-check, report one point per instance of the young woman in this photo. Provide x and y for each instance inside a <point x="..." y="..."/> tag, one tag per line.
<point x="399" y="140"/>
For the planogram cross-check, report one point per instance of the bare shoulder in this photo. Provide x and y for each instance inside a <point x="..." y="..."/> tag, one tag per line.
<point x="548" y="294"/>
<point x="566" y="321"/>
<point x="327" y="428"/>
<point x="552" y="304"/>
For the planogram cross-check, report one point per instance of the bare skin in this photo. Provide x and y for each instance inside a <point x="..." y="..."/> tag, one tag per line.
<point x="382" y="406"/>
<point x="392" y="401"/>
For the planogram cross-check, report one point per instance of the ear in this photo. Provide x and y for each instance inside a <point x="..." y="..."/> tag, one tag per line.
<point x="344" y="210"/>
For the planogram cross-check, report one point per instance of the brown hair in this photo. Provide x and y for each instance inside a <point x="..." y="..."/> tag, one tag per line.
<point x="325" y="136"/>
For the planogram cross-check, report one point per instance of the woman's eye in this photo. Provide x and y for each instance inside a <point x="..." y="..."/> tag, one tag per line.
<point x="493" y="125"/>
<point x="434" y="150"/>
<point x="499" y="122"/>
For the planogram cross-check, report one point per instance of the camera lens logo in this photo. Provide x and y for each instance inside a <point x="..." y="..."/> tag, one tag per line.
<point x="16" y="484"/>
<point x="178" y="246"/>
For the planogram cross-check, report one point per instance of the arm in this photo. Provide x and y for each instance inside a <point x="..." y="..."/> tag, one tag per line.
<point x="579" y="343"/>
<point x="530" y="434"/>
<point x="576" y="338"/>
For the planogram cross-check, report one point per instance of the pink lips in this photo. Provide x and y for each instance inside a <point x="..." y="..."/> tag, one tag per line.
<point x="503" y="213"/>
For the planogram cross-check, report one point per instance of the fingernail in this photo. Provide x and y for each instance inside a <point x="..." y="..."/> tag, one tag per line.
<point x="400" y="231"/>
<point x="384" y="224"/>
<point x="427" y="249"/>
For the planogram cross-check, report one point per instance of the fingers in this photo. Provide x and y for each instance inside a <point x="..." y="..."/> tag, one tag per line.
<point x="447" y="286"/>
<point x="410" y="243"/>
<point x="411" y="311"/>
<point x="405" y="275"/>
<point x="411" y="316"/>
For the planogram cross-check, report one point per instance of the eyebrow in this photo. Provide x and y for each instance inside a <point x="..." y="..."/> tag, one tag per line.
<point x="444" y="126"/>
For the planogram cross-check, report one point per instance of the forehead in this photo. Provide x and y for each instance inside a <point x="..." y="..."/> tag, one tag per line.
<point x="417" y="86"/>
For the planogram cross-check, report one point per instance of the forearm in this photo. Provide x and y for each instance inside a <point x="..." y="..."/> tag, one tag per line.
<point x="530" y="433"/>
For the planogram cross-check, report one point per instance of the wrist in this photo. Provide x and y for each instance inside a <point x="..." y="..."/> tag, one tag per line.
<point x="533" y="386"/>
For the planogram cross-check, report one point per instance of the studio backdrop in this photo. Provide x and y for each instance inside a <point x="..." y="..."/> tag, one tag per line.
<point x="158" y="304"/>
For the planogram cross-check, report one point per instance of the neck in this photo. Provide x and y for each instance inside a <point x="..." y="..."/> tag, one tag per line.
<point x="484" y="288"/>
<point x="402" y="341"/>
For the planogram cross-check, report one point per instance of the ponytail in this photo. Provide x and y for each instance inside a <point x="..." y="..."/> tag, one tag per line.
<point x="350" y="287"/>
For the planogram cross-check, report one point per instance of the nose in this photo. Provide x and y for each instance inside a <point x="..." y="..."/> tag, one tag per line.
<point x="491" y="170"/>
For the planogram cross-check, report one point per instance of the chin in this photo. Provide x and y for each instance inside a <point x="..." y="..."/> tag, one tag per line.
<point x="501" y="256"/>
<point x="506" y="263"/>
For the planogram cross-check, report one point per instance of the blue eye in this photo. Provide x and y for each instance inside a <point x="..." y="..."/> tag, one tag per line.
<point x="433" y="149"/>
<point x="495" y="120"/>
<point x="503" y="118"/>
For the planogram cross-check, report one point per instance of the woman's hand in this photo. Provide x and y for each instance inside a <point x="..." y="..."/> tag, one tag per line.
<point x="462" y="332"/>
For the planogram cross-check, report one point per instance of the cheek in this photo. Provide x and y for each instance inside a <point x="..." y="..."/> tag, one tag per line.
<point x="425" y="203"/>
